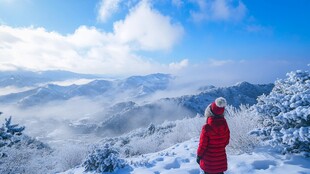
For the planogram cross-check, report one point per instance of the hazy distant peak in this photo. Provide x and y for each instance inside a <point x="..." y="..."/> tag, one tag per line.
<point x="243" y="83"/>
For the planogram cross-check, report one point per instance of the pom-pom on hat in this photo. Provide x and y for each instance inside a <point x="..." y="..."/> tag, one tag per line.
<point x="218" y="106"/>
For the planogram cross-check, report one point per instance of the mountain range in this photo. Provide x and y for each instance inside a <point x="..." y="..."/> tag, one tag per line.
<point x="127" y="116"/>
<point x="128" y="88"/>
<point x="125" y="111"/>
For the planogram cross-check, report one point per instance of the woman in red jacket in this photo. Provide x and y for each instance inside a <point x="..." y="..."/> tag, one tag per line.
<point x="214" y="137"/>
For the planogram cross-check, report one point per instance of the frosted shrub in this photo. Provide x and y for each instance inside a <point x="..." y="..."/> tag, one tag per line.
<point x="31" y="156"/>
<point x="105" y="159"/>
<point x="159" y="137"/>
<point x="241" y="121"/>
<point x="284" y="115"/>
<point x="27" y="161"/>
<point x="70" y="155"/>
<point x="146" y="145"/>
<point x="145" y="140"/>
<point x="184" y="130"/>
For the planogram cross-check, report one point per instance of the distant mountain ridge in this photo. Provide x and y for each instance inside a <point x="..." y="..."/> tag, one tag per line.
<point x="23" y="78"/>
<point x="132" y="87"/>
<point x="241" y="93"/>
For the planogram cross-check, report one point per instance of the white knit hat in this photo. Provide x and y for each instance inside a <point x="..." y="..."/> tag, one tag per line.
<point x="218" y="106"/>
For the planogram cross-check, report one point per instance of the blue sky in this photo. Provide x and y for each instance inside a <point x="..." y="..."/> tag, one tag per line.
<point x="174" y="36"/>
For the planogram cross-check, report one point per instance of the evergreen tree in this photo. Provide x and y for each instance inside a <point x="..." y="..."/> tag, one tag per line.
<point x="20" y="153"/>
<point x="284" y="115"/>
<point x="104" y="159"/>
<point x="10" y="133"/>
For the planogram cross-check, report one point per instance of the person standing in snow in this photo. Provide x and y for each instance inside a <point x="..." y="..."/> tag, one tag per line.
<point x="214" y="137"/>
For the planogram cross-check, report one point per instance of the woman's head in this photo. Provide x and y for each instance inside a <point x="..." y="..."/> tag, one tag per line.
<point x="218" y="106"/>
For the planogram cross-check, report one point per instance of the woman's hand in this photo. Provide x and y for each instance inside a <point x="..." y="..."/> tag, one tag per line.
<point x="198" y="160"/>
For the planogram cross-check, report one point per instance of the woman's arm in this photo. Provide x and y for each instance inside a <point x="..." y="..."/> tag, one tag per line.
<point x="203" y="142"/>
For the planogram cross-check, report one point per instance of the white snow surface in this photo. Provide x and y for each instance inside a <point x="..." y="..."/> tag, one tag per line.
<point x="181" y="159"/>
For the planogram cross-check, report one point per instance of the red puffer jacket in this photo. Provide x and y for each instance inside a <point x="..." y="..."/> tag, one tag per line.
<point x="214" y="138"/>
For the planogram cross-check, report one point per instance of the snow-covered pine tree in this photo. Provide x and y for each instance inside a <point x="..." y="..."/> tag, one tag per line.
<point x="20" y="153"/>
<point x="285" y="114"/>
<point x="10" y="133"/>
<point x="105" y="159"/>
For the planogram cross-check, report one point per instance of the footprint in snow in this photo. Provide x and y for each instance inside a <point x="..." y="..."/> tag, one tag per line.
<point x="176" y="163"/>
<point x="159" y="159"/>
<point x="263" y="164"/>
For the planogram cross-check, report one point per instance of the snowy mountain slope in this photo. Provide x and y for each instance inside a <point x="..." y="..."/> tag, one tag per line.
<point x="38" y="95"/>
<point x="241" y="93"/>
<point x="132" y="87"/>
<point x="94" y="88"/>
<point x="146" y="84"/>
<point x="23" y="78"/>
<point x="141" y="116"/>
<point x="181" y="159"/>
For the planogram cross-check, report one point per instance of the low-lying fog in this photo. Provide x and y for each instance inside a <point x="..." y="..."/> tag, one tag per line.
<point x="78" y="119"/>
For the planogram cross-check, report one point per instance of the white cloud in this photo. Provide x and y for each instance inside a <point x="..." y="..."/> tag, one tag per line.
<point x="38" y="49"/>
<point x="87" y="50"/>
<point x="219" y="10"/>
<point x="94" y="37"/>
<point x="179" y="65"/>
<point x="90" y="50"/>
<point x="107" y="8"/>
<point x="148" y="29"/>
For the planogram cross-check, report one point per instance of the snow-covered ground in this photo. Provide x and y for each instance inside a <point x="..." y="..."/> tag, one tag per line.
<point x="181" y="159"/>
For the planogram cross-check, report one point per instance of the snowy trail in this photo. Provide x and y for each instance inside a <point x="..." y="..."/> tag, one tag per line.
<point x="181" y="159"/>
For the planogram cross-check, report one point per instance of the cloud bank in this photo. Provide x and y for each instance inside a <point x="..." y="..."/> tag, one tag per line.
<point x="90" y="50"/>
